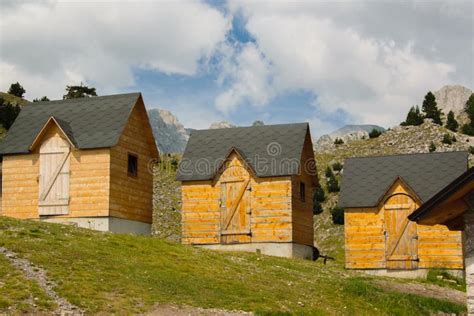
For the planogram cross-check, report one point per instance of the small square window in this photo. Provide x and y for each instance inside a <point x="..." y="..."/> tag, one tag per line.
<point x="302" y="192"/>
<point x="132" y="165"/>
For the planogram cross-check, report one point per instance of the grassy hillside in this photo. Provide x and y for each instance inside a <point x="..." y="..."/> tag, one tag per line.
<point x="111" y="273"/>
<point x="12" y="99"/>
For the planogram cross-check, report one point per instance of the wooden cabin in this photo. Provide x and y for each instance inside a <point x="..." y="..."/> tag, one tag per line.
<point x="378" y="194"/>
<point x="453" y="206"/>
<point x="82" y="161"/>
<point x="250" y="189"/>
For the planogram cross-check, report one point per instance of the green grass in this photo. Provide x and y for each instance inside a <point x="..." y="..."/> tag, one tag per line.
<point x="447" y="279"/>
<point x="19" y="295"/>
<point x="113" y="273"/>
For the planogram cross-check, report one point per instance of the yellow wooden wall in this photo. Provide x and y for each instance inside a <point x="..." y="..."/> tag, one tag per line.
<point x="302" y="212"/>
<point x="271" y="206"/>
<point x="365" y="240"/>
<point x="89" y="183"/>
<point x="131" y="197"/>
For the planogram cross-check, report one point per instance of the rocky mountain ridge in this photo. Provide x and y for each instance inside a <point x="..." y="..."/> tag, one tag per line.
<point x="346" y="133"/>
<point x="170" y="134"/>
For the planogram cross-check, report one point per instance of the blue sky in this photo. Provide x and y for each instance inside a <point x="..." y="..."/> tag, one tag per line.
<point x="327" y="63"/>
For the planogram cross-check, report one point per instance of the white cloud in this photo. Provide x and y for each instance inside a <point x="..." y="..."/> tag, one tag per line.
<point x="57" y="43"/>
<point x="347" y="55"/>
<point x="249" y="73"/>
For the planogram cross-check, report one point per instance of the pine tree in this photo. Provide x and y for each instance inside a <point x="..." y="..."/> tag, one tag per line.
<point x="468" y="129"/>
<point x="414" y="117"/>
<point x="430" y="108"/>
<point x="469" y="108"/>
<point x="80" y="91"/>
<point x="451" y="122"/>
<point x="318" y="197"/>
<point x="16" y="89"/>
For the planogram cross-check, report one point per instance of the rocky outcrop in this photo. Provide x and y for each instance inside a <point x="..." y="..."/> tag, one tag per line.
<point x="347" y="133"/>
<point x="221" y="124"/>
<point x="453" y="98"/>
<point x="170" y="134"/>
<point x="402" y="140"/>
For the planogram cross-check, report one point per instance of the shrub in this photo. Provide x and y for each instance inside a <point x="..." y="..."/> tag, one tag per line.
<point x="468" y="129"/>
<point x="432" y="147"/>
<point x="328" y="172"/>
<point x="331" y="181"/>
<point x="333" y="184"/>
<point x="448" y="139"/>
<point x="471" y="150"/>
<point x="374" y="133"/>
<point x="337" y="166"/>
<point x="338" y="141"/>
<point x="337" y="214"/>
<point x="319" y="197"/>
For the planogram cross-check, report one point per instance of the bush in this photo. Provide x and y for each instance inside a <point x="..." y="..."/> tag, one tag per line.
<point x="432" y="147"/>
<point x="337" y="166"/>
<point x="331" y="181"/>
<point x="338" y="141"/>
<point x="468" y="129"/>
<point x="374" y="133"/>
<point x="337" y="214"/>
<point x="328" y="172"/>
<point x="319" y="197"/>
<point x="333" y="184"/>
<point x="448" y="139"/>
<point x="471" y="150"/>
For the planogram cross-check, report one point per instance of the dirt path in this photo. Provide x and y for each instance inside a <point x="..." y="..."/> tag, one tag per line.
<point x="171" y="310"/>
<point x="38" y="275"/>
<point x="427" y="290"/>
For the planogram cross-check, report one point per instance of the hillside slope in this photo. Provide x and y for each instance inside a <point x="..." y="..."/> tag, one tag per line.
<point x="113" y="273"/>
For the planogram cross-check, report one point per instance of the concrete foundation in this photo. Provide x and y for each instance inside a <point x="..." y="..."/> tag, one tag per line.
<point x="409" y="274"/>
<point x="110" y="224"/>
<point x="286" y="250"/>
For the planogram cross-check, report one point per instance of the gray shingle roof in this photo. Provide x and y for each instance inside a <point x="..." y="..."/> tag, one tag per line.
<point x="365" y="180"/>
<point x="95" y="122"/>
<point x="270" y="150"/>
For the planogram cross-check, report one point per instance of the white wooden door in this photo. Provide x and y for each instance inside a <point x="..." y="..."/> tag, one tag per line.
<point x="54" y="177"/>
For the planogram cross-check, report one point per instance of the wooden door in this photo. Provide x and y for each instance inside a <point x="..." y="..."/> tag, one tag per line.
<point x="400" y="233"/>
<point x="235" y="205"/>
<point x="54" y="177"/>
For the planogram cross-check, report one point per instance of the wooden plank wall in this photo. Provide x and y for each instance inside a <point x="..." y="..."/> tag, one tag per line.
<point x="302" y="212"/>
<point x="131" y="197"/>
<point x="438" y="247"/>
<point x="270" y="201"/>
<point x="89" y="183"/>
<point x="20" y="186"/>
